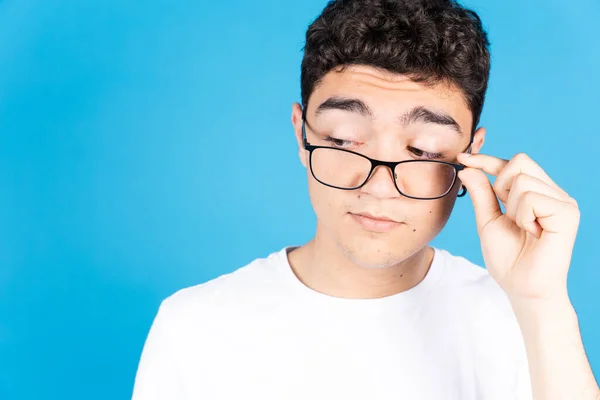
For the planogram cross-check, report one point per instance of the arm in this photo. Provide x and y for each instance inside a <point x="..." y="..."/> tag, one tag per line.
<point x="558" y="365"/>
<point x="528" y="250"/>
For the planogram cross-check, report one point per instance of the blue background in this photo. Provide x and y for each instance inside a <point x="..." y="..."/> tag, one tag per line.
<point x="146" y="146"/>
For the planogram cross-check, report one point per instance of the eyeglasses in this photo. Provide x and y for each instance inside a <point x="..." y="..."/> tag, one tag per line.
<point x="348" y="170"/>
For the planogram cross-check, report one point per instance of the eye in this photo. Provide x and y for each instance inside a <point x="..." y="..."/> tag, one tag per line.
<point x="339" y="142"/>
<point x="425" y="154"/>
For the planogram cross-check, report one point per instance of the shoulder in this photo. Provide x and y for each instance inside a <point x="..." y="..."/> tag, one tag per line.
<point x="247" y="283"/>
<point x="460" y="271"/>
<point x="472" y="283"/>
<point x="474" y="297"/>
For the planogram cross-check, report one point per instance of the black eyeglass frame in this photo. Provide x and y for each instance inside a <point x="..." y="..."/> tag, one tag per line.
<point x="375" y="163"/>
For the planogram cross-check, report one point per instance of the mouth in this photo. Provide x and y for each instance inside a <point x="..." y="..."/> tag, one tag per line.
<point x="374" y="223"/>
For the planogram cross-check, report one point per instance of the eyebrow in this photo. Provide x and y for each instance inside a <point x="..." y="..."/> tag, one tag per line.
<point x="427" y="116"/>
<point x="418" y="114"/>
<point x="345" y="104"/>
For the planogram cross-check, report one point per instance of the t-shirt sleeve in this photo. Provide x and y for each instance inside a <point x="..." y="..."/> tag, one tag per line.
<point x="157" y="376"/>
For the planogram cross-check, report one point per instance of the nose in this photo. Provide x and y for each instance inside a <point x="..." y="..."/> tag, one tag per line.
<point x="381" y="183"/>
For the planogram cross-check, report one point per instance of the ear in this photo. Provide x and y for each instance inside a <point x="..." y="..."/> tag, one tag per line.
<point x="297" y="125"/>
<point x="478" y="140"/>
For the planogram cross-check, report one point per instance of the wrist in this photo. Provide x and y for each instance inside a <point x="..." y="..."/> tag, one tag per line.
<point x="545" y="315"/>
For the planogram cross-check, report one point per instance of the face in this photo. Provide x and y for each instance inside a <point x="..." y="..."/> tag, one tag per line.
<point x="390" y="118"/>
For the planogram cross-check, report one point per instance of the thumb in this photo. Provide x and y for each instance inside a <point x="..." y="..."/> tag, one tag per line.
<point x="485" y="203"/>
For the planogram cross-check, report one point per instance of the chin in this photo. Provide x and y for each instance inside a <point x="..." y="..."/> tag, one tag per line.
<point x="378" y="251"/>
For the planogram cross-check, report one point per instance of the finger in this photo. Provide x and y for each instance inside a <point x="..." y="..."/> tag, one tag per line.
<point x="485" y="203"/>
<point x="524" y="183"/>
<point x="539" y="214"/>
<point x="520" y="164"/>
<point x="489" y="164"/>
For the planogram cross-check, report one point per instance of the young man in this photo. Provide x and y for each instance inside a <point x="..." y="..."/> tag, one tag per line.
<point x="392" y="92"/>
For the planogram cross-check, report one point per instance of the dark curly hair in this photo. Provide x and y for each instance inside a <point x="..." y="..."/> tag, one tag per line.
<point x="430" y="41"/>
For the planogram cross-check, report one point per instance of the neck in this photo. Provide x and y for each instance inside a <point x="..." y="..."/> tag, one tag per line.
<point x="322" y="266"/>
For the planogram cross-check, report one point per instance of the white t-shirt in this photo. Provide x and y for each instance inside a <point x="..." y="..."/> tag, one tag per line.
<point x="259" y="333"/>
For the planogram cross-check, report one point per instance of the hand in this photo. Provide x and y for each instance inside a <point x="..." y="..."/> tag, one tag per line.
<point x="528" y="249"/>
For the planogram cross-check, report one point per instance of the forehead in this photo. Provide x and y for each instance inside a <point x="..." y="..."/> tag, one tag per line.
<point x="389" y="94"/>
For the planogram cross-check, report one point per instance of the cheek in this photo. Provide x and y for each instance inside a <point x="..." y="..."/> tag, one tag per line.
<point x="433" y="215"/>
<point x="426" y="218"/>
<point x="328" y="203"/>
